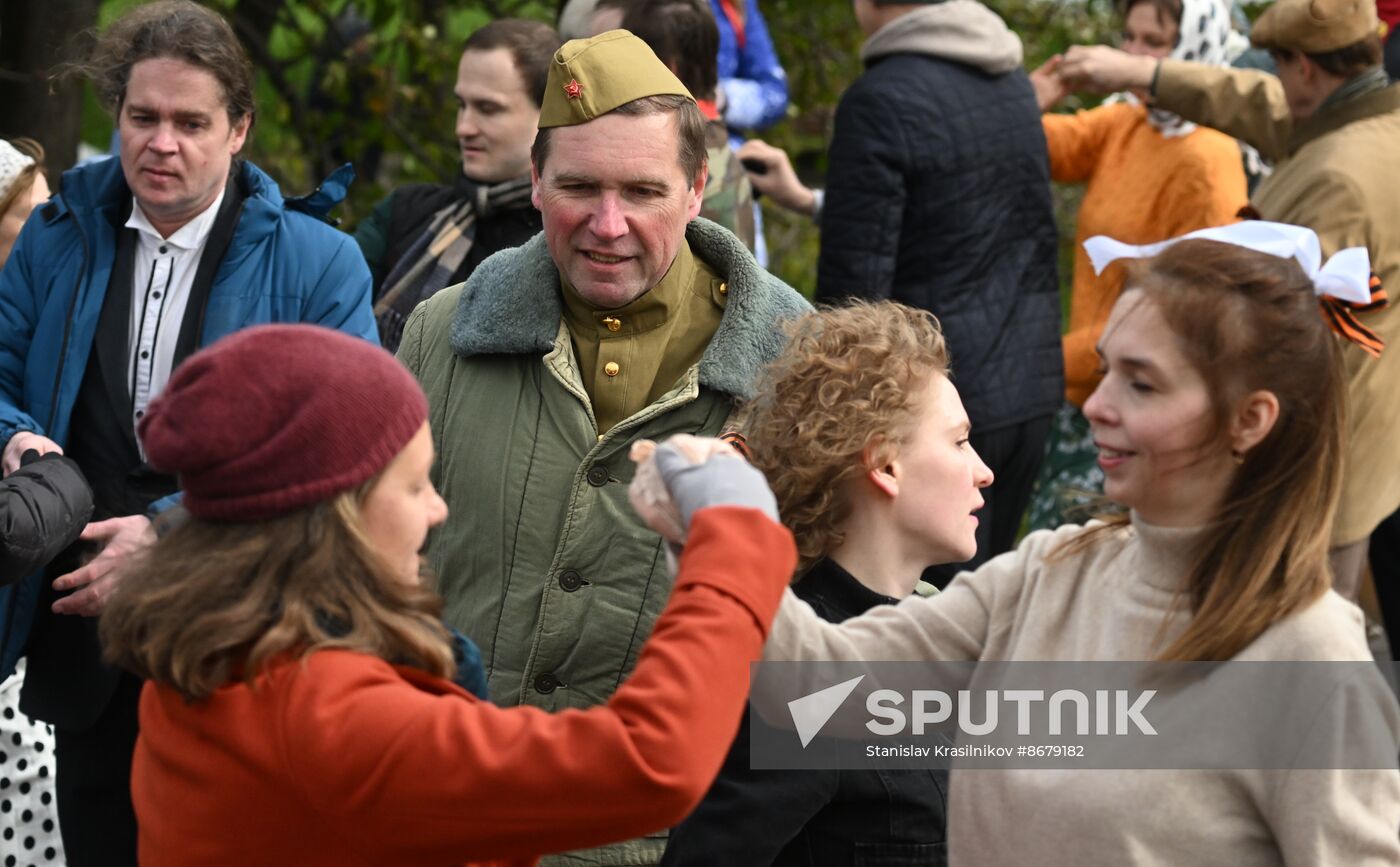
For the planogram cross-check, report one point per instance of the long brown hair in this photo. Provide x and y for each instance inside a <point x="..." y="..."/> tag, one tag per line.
<point x="1249" y="321"/>
<point x="211" y="602"/>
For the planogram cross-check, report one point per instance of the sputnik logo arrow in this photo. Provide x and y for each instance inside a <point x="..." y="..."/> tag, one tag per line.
<point x="811" y="712"/>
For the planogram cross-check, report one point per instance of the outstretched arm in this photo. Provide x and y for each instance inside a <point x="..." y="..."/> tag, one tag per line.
<point x="445" y="777"/>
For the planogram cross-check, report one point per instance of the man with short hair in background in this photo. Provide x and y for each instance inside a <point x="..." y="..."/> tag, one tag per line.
<point x="426" y="237"/>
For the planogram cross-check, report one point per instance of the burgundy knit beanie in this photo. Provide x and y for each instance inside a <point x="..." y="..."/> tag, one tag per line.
<point x="275" y="418"/>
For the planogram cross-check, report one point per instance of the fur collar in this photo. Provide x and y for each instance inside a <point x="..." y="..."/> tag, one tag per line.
<point x="511" y="305"/>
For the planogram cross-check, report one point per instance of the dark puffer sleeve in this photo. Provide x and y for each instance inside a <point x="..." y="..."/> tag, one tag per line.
<point x="864" y="206"/>
<point x="44" y="505"/>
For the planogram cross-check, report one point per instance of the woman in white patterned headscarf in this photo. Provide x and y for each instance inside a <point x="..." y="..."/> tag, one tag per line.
<point x="1149" y="175"/>
<point x="28" y="817"/>
<point x="23" y="186"/>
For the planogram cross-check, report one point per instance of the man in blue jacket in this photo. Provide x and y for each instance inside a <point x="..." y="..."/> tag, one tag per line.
<point x="138" y="262"/>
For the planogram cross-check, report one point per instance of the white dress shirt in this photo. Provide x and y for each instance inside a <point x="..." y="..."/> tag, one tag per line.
<point x="160" y="291"/>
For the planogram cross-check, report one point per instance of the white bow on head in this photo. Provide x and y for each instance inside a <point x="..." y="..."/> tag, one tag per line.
<point x="1347" y="275"/>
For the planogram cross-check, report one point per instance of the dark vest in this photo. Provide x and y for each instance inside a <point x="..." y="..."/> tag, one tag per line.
<point x="67" y="684"/>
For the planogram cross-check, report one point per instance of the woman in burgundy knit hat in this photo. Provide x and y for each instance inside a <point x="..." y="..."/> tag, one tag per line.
<point x="299" y="708"/>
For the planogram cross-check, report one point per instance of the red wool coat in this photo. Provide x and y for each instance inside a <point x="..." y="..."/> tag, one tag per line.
<point x="344" y="759"/>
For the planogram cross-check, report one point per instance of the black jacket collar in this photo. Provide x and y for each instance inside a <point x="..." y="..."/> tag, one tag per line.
<point x="835" y="594"/>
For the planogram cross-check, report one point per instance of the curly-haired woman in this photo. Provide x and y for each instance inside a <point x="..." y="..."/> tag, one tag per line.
<point x="864" y="441"/>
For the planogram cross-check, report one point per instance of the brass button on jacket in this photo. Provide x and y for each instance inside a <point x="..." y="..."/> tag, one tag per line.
<point x="612" y="368"/>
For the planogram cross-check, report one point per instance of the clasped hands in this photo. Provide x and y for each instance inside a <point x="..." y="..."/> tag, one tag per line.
<point x="1095" y="68"/>
<point x="689" y="473"/>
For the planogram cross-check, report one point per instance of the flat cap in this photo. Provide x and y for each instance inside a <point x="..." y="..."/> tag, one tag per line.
<point x="1315" y="26"/>
<point x="591" y="77"/>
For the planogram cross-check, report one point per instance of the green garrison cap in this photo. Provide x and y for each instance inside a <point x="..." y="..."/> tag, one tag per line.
<point x="591" y="77"/>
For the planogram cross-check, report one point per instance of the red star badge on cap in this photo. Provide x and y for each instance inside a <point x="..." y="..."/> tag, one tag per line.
<point x="573" y="89"/>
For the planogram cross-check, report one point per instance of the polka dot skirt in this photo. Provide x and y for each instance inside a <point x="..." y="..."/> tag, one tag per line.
<point x="28" y="814"/>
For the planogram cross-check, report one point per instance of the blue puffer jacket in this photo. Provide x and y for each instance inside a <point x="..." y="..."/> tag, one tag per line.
<point x="282" y="265"/>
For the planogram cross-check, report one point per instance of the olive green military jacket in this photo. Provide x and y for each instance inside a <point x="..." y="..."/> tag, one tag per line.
<point x="1335" y="173"/>
<point x="542" y="560"/>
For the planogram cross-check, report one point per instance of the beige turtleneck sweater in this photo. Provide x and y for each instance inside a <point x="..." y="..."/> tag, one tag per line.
<point x="1108" y="604"/>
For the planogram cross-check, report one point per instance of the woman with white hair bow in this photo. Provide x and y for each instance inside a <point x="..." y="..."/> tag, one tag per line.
<point x="1149" y="176"/>
<point x="1219" y="422"/>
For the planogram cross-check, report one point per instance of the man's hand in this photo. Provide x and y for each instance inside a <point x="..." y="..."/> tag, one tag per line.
<point x="1049" y="87"/>
<point x="21" y="443"/>
<point x="1102" y="69"/>
<point x="121" y="537"/>
<point x="778" y="181"/>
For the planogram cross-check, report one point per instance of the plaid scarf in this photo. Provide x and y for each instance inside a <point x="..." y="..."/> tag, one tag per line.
<point x="428" y="265"/>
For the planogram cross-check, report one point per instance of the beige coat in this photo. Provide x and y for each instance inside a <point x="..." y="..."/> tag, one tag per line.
<point x="1335" y="173"/>
<point x="1111" y="603"/>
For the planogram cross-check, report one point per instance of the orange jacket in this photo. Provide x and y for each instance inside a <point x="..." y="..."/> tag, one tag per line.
<point x="1141" y="188"/>
<point x="344" y="759"/>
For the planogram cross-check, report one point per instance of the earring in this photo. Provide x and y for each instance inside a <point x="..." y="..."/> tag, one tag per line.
<point x="1237" y="455"/>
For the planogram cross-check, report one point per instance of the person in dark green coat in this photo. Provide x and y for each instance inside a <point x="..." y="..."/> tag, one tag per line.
<point x="627" y="318"/>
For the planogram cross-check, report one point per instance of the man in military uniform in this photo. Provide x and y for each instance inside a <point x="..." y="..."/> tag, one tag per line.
<point x="626" y="319"/>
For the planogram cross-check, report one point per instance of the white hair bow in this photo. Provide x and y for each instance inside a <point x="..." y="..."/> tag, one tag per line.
<point x="1347" y="275"/>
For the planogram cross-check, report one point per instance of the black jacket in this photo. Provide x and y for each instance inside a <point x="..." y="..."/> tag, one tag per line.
<point x="44" y="505"/>
<point x="938" y="196"/>
<point x="892" y="818"/>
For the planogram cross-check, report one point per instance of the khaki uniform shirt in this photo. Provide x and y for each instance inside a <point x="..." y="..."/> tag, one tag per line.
<point x="629" y="357"/>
